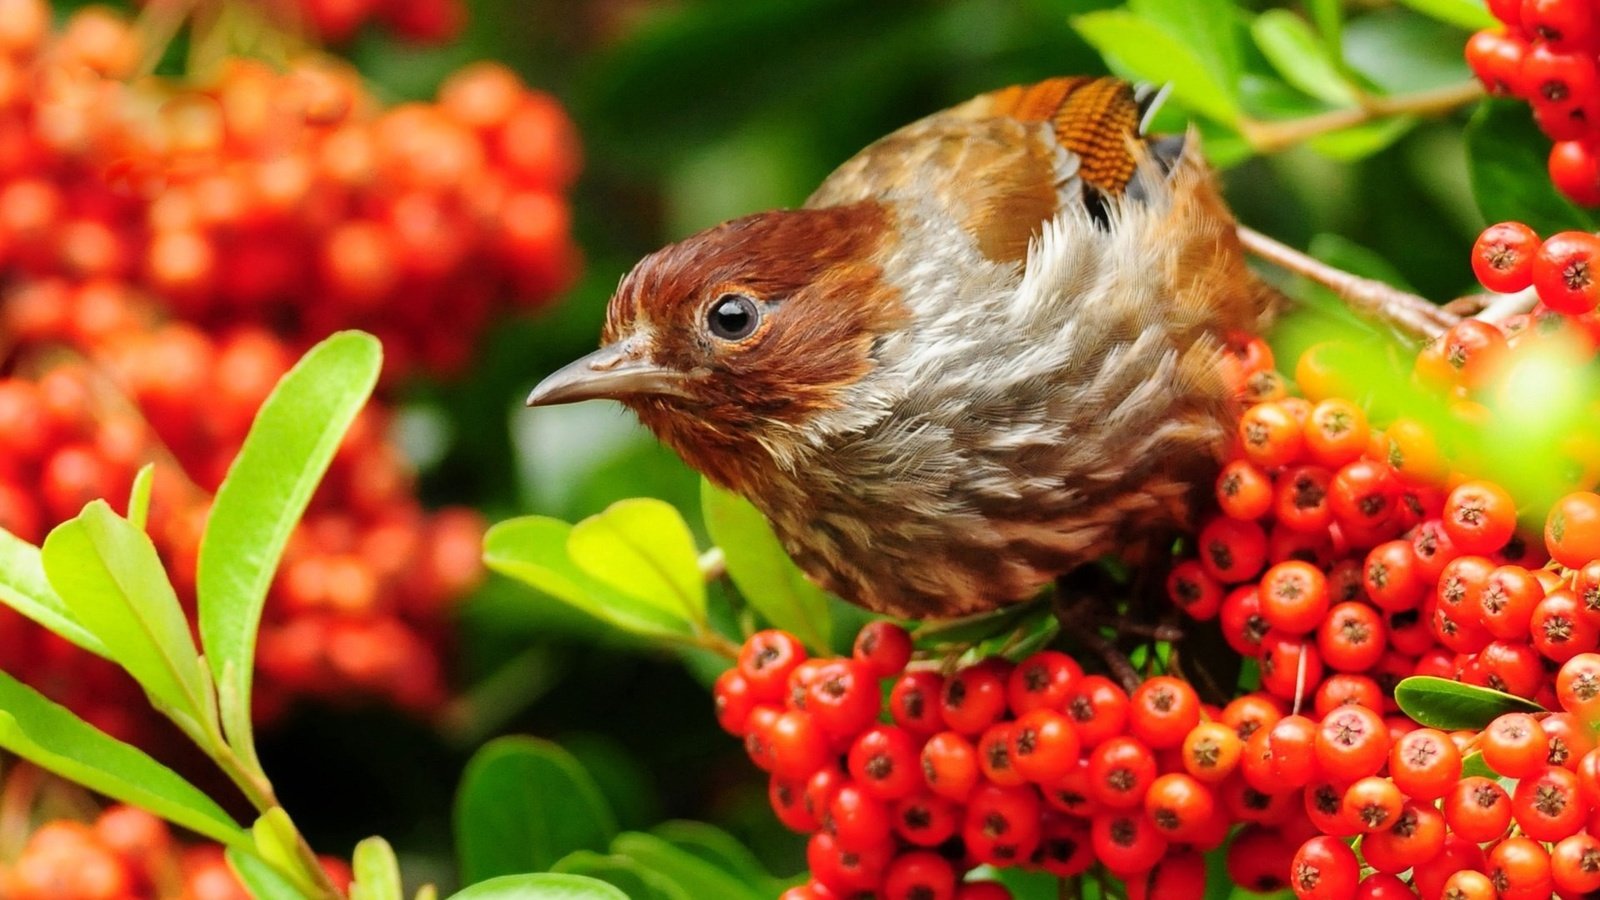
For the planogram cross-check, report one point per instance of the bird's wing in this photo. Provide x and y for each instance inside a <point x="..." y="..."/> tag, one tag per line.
<point x="1006" y="162"/>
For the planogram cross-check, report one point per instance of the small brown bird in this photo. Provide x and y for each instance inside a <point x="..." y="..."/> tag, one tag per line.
<point x="986" y="351"/>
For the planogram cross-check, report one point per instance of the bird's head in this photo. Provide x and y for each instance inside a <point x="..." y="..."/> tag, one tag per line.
<point x="727" y="343"/>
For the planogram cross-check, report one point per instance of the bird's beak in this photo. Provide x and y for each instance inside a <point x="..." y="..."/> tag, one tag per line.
<point x="612" y="372"/>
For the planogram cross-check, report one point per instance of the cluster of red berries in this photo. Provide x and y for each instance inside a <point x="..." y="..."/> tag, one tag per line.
<point x="361" y="605"/>
<point x="1545" y="53"/>
<point x="1033" y="764"/>
<point x="1564" y="269"/>
<point x="125" y="854"/>
<point x="289" y="198"/>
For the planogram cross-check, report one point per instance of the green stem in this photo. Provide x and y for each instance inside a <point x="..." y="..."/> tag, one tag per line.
<point x="258" y="790"/>
<point x="1270" y="137"/>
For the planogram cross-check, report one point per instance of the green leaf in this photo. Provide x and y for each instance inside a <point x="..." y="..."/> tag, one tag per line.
<point x="721" y="849"/>
<point x="762" y="569"/>
<point x="697" y="877"/>
<point x="1140" y="49"/>
<point x="523" y="804"/>
<point x="25" y="588"/>
<point x="262" y="879"/>
<point x="544" y="886"/>
<point x="377" y="871"/>
<point x="1451" y="706"/>
<point x="139" y="496"/>
<point x="1208" y="28"/>
<point x="110" y="576"/>
<point x="978" y="626"/>
<point x="1506" y="158"/>
<point x="627" y="875"/>
<point x="1303" y="61"/>
<point x="1329" y="18"/>
<point x="1469" y="14"/>
<point x="50" y="736"/>
<point x="292" y="441"/>
<point x="533" y="550"/>
<point x="1400" y="52"/>
<point x="1361" y="141"/>
<point x="643" y="548"/>
<point x="277" y="844"/>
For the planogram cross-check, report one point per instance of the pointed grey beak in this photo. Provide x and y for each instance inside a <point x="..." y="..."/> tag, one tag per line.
<point x="612" y="372"/>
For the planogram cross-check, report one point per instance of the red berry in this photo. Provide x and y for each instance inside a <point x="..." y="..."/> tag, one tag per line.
<point x="1565" y="273"/>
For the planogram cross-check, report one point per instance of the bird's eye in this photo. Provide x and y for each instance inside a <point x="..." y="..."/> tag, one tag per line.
<point x="733" y="317"/>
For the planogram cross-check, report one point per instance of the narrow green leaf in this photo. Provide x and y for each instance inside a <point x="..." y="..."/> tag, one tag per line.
<point x="696" y="876"/>
<point x="1469" y="14"/>
<point x="1303" y="61"/>
<point x="139" y="496"/>
<point x="523" y="804"/>
<point x="721" y="849"/>
<point x="544" y="886"/>
<point x="25" y="588"/>
<point x="643" y="548"/>
<point x="1140" y="49"/>
<point x="261" y="878"/>
<point x="276" y="842"/>
<point x="978" y="626"/>
<point x="762" y="569"/>
<point x="110" y="576"/>
<point x="1211" y="29"/>
<point x="1451" y="705"/>
<point x="52" y="737"/>
<point x="1506" y="157"/>
<point x="290" y="445"/>
<point x="533" y="550"/>
<point x="627" y="875"/>
<point x="377" y="871"/>
<point x="427" y="892"/>
<point x="1329" y="18"/>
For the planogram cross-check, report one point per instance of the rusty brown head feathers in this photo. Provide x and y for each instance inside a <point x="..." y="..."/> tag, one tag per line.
<point x="982" y="354"/>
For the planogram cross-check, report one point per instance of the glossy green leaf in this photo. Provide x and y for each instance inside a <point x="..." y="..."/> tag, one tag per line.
<point x="1296" y="53"/>
<point x="762" y="569"/>
<point x="623" y="873"/>
<point x="523" y="804"/>
<point x="543" y="886"/>
<point x="377" y="871"/>
<point x="139" y="496"/>
<point x="696" y="876"/>
<point x="261" y="879"/>
<point x="1210" y="29"/>
<point x="53" y="738"/>
<point x="1468" y="14"/>
<point x="643" y="548"/>
<point x="25" y="588"/>
<point x="110" y="577"/>
<point x="1506" y="157"/>
<point x="289" y="447"/>
<point x="1138" y="48"/>
<point x="1399" y="52"/>
<point x="533" y="550"/>
<point x="719" y="848"/>
<point x="1451" y="706"/>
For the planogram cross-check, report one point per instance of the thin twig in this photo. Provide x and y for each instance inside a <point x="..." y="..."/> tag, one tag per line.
<point x="1505" y="306"/>
<point x="1270" y="137"/>
<point x="1416" y="316"/>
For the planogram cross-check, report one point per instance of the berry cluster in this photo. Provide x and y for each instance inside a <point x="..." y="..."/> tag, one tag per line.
<point x="125" y="854"/>
<point x="362" y="600"/>
<point x="986" y="766"/>
<point x="289" y="198"/>
<point x="1545" y="53"/>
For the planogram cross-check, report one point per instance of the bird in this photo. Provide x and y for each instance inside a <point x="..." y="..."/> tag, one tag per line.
<point x="986" y="351"/>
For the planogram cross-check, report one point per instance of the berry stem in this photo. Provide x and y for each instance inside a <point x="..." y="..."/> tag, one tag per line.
<point x="1412" y="315"/>
<point x="1504" y="306"/>
<point x="1270" y="137"/>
